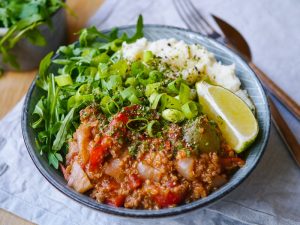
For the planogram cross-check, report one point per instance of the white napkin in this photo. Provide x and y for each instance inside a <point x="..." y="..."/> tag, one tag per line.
<point x="271" y="195"/>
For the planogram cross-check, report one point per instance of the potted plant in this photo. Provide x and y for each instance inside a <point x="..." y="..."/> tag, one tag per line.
<point x="29" y="29"/>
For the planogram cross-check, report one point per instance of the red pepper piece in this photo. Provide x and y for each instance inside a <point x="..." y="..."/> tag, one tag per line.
<point x="98" y="152"/>
<point x="116" y="201"/>
<point x="168" y="199"/>
<point x="135" y="181"/>
<point x="64" y="171"/>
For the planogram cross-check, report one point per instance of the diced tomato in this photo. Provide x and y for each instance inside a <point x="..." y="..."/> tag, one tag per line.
<point x="168" y="199"/>
<point x="232" y="162"/>
<point x="131" y="110"/>
<point x="134" y="181"/>
<point x="122" y="117"/>
<point x="111" y="184"/>
<point x="64" y="171"/>
<point x="116" y="201"/>
<point x="167" y="145"/>
<point x="118" y="125"/>
<point x="98" y="152"/>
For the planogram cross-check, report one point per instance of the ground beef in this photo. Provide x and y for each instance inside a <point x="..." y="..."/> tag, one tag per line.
<point x="133" y="170"/>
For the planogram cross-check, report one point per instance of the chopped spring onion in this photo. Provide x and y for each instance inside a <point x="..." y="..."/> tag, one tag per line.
<point x="63" y="80"/>
<point x="148" y="55"/>
<point x="150" y="78"/>
<point x="77" y="100"/>
<point x="184" y="93"/>
<point x="174" y="86"/>
<point x="155" y="100"/>
<point x="171" y="102"/>
<point x="137" y="124"/>
<point x="134" y="100"/>
<point x="173" y="115"/>
<point x="126" y="93"/>
<point x="190" y="109"/>
<point x="162" y="101"/>
<point x="131" y="81"/>
<point x="119" y="68"/>
<point x="102" y="71"/>
<point x="153" y="127"/>
<point x="108" y="105"/>
<point x="114" y="81"/>
<point x="151" y="88"/>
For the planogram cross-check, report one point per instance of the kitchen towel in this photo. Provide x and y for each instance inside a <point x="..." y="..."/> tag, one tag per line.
<point x="271" y="195"/>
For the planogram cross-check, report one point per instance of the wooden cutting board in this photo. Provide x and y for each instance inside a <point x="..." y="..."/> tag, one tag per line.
<point x="14" y="85"/>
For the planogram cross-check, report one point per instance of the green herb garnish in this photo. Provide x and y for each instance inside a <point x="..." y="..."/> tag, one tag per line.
<point x="20" y="19"/>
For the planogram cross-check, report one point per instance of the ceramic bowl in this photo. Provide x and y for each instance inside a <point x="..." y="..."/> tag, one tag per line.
<point x="253" y="154"/>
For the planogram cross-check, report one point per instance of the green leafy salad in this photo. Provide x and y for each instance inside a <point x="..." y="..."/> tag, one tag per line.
<point x="20" y="19"/>
<point x="93" y="71"/>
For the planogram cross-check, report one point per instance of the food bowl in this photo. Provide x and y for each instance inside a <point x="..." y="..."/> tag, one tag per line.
<point x="253" y="154"/>
<point x="28" y="55"/>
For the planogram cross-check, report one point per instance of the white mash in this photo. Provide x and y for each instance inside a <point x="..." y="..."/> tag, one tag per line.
<point x="193" y="62"/>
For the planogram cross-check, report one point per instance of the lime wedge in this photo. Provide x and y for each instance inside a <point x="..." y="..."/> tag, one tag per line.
<point x="236" y="121"/>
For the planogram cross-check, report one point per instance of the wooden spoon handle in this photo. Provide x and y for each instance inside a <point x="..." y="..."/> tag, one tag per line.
<point x="285" y="132"/>
<point x="286" y="100"/>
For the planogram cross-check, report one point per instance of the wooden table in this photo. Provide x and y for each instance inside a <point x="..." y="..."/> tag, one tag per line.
<point x="14" y="85"/>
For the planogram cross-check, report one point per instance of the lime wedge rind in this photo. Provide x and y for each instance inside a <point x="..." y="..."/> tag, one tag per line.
<point x="232" y="122"/>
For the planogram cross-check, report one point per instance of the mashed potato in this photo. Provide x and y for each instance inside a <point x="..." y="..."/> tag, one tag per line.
<point x="193" y="62"/>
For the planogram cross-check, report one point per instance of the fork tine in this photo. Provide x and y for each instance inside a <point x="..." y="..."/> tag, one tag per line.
<point x="201" y="18"/>
<point x="187" y="17"/>
<point x="194" y="19"/>
<point x="196" y="16"/>
<point x="181" y="14"/>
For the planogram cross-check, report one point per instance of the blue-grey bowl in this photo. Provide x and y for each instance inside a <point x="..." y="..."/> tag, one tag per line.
<point x="253" y="154"/>
<point x="28" y="55"/>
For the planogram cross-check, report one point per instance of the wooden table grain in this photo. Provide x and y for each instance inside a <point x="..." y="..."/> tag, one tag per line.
<point x="14" y="85"/>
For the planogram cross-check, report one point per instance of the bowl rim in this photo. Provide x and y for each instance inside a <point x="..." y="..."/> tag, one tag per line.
<point x="133" y="213"/>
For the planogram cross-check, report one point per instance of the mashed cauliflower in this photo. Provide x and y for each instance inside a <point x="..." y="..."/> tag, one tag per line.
<point x="193" y="62"/>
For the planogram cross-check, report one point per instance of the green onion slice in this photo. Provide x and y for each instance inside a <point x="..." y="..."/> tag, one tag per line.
<point x="148" y="55"/>
<point x="77" y="100"/>
<point x="171" y="102"/>
<point x="174" y="86"/>
<point x="131" y="81"/>
<point x="151" y="88"/>
<point x="108" y="105"/>
<point x="155" y="100"/>
<point x="173" y="115"/>
<point x="190" y="109"/>
<point x="153" y="127"/>
<point x="63" y="80"/>
<point x="137" y="124"/>
<point x="134" y="100"/>
<point x="184" y="93"/>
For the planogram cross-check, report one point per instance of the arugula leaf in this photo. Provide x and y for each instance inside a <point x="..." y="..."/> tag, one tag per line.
<point x="139" y="30"/>
<point x="89" y="35"/>
<point x="89" y="72"/>
<point x="43" y="76"/>
<point x="63" y="131"/>
<point x="39" y="110"/>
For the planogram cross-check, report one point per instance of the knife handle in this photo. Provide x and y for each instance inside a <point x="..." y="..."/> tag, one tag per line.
<point x="285" y="132"/>
<point x="286" y="100"/>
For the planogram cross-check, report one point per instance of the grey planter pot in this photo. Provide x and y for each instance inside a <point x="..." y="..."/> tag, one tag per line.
<point x="28" y="55"/>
